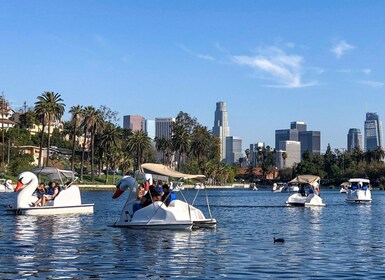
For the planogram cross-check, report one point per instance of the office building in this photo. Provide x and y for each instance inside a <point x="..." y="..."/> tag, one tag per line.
<point x="221" y="127"/>
<point x="285" y="135"/>
<point x="292" y="150"/>
<point x="298" y="125"/>
<point x="310" y="141"/>
<point x="255" y="150"/>
<point x="163" y="127"/>
<point x="373" y="132"/>
<point x="233" y="149"/>
<point x="133" y="122"/>
<point x="149" y="128"/>
<point x="354" y="139"/>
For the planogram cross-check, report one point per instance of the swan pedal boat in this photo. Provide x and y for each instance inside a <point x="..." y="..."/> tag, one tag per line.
<point x="359" y="191"/>
<point x="178" y="215"/>
<point x="6" y="186"/>
<point x="68" y="201"/>
<point x="313" y="199"/>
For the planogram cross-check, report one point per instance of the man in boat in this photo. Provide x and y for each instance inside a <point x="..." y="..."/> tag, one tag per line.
<point x="167" y="196"/>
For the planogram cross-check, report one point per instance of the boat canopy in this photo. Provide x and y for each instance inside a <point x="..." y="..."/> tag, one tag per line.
<point x="54" y="174"/>
<point x="160" y="169"/>
<point x="345" y="185"/>
<point x="357" y="180"/>
<point x="307" y="179"/>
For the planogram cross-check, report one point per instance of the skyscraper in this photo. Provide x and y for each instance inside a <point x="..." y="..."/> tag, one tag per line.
<point x="310" y="141"/>
<point x="233" y="149"/>
<point x="163" y="127"/>
<point x="354" y="139"/>
<point x="298" y="125"/>
<point x="133" y="122"/>
<point x="293" y="154"/>
<point x="373" y="132"/>
<point x="221" y="127"/>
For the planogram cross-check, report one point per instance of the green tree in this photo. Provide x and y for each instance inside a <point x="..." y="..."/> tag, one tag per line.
<point x="49" y="105"/>
<point x="138" y="143"/>
<point x="76" y="118"/>
<point x="180" y="141"/>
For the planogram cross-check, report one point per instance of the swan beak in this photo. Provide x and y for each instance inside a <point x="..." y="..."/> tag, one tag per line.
<point x="117" y="193"/>
<point x="19" y="186"/>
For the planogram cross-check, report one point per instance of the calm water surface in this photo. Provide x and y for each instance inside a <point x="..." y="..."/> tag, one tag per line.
<point x="339" y="240"/>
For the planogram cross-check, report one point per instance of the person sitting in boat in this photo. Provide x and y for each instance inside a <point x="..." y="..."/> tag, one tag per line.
<point x="302" y="190"/>
<point x="53" y="191"/>
<point x="159" y="187"/>
<point x="167" y="196"/>
<point x="354" y="187"/>
<point x="140" y="192"/>
<point x="39" y="192"/>
<point x="151" y="196"/>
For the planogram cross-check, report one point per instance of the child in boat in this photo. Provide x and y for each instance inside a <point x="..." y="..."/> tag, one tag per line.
<point x="53" y="191"/>
<point x="39" y="192"/>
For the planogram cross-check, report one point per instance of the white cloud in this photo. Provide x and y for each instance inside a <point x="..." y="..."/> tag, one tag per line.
<point x="367" y="71"/>
<point x="373" y="84"/>
<point x="198" y="55"/>
<point x="285" y="70"/>
<point x="341" y="48"/>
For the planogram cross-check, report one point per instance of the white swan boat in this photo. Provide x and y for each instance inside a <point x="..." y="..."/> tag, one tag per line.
<point x="359" y="191"/>
<point x="301" y="198"/>
<point x="179" y="215"/>
<point x="6" y="185"/>
<point x="199" y="186"/>
<point x="68" y="201"/>
<point x="344" y="187"/>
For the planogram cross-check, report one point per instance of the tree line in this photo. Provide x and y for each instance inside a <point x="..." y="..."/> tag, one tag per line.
<point x="104" y="145"/>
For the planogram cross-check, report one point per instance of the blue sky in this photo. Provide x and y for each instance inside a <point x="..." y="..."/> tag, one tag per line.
<point x="272" y="62"/>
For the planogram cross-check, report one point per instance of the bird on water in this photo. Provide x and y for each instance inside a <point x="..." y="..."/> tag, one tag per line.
<point x="279" y="240"/>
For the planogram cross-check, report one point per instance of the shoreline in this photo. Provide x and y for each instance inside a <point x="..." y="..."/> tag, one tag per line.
<point x="111" y="187"/>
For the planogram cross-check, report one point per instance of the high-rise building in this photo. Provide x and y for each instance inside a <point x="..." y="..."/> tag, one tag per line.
<point x="133" y="122"/>
<point x="149" y="128"/>
<point x="285" y="135"/>
<point x="221" y="127"/>
<point x="354" y="139"/>
<point x="310" y="141"/>
<point x="163" y="127"/>
<point x="373" y="132"/>
<point x="233" y="149"/>
<point x="300" y="126"/>
<point x="254" y="149"/>
<point x="292" y="149"/>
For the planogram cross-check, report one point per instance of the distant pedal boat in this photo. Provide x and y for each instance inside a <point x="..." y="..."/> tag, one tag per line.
<point x="359" y="191"/>
<point x="68" y="201"/>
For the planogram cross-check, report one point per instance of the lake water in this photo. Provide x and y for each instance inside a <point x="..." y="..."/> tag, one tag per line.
<point x="338" y="240"/>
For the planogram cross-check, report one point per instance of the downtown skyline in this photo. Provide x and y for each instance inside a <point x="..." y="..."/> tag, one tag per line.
<point x="272" y="63"/>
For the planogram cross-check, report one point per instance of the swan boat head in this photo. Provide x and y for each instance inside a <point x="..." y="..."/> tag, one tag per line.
<point x="26" y="184"/>
<point x="126" y="182"/>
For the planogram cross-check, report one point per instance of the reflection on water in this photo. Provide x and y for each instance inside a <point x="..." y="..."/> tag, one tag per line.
<point x="325" y="242"/>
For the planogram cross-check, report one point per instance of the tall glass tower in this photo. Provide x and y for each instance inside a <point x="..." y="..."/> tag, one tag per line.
<point x="354" y="139"/>
<point x="221" y="127"/>
<point x="373" y="132"/>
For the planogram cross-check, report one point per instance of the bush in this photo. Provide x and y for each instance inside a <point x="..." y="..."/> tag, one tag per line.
<point x="21" y="164"/>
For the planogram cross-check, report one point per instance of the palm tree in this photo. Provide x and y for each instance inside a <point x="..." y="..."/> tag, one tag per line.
<point x="76" y="112"/>
<point x="180" y="141"/>
<point x="200" y="142"/>
<point x="284" y="157"/>
<point x="137" y="144"/>
<point x="50" y="105"/>
<point x="163" y="145"/>
<point x="379" y="154"/>
<point x="109" y="142"/>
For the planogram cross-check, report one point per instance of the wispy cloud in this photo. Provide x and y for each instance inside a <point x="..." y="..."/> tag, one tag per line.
<point x="341" y="48"/>
<point x="198" y="55"/>
<point x="285" y="70"/>
<point x="373" y="84"/>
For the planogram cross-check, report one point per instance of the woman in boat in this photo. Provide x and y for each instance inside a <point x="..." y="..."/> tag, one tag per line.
<point x="167" y="196"/>
<point x="53" y="191"/>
